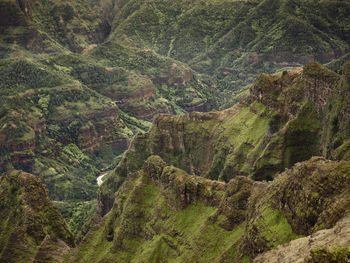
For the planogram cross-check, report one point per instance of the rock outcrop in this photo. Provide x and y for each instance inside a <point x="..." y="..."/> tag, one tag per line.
<point x="310" y="196"/>
<point x="289" y="117"/>
<point x="329" y="245"/>
<point x="161" y="213"/>
<point x="32" y="229"/>
<point x="279" y="125"/>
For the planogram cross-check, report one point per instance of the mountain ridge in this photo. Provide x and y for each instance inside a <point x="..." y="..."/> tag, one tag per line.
<point x="277" y="126"/>
<point x="32" y="229"/>
<point x="81" y="79"/>
<point x="163" y="214"/>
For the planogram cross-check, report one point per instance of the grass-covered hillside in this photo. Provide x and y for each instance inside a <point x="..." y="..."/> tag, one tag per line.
<point x="288" y="117"/>
<point x="233" y="41"/>
<point x="78" y="79"/>
<point x="157" y="205"/>
<point x="162" y="214"/>
<point x="32" y="228"/>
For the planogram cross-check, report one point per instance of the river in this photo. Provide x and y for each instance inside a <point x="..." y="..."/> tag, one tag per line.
<point x="99" y="179"/>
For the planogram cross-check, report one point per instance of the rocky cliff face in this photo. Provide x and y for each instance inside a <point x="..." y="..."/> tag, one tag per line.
<point x="32" y="229"/>
<point x="161" y="213"/>
<point x="329" y="245"/>
<point x="38" y="126"/>
<point x="280" y="124"/>
<point x="287" y="118"/>
<point x="306" y="198"/>
<point x="43" y="113"/>
<point x="319" y="85"/>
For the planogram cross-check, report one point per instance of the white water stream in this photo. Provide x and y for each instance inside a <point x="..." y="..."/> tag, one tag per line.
<point x="99" y="179"/>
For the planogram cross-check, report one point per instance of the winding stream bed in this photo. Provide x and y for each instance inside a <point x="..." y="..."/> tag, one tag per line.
<point x="99" y="179"/>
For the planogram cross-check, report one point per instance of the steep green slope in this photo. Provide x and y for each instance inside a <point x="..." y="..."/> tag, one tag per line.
<point x="51" y="124"/>
<point x="233" y="41"/>
<point x="49" y="26"/>
<point x="75" y="74"/>
<point x="162" y="214"/>
<point x="32" y="229"/>
<point x="288" y="117"/>
<point x="141" y="81"/>
<point x="46" y="120"/>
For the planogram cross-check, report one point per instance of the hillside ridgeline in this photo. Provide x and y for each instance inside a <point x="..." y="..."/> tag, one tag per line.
<point x="80" y="78"/>
<point x="288" y="117"/>
<point x="161" y="213"/>
<point x="32" y="228"/>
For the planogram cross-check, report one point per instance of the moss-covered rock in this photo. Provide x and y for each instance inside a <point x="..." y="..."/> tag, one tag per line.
<point x="328" y="245"/>
<point x="336" y="254"/>
<point x="163" y="214"/>
<point x="313" y="195"/>
<point x="281" y="123"/>
<point x="30" y="223"/>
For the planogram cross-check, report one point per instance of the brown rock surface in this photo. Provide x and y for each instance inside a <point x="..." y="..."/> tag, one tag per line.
<point x="298" y="251"/>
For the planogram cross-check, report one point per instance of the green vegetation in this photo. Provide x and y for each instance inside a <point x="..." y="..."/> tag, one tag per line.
<point x="233" y="41"/>
<point x="80" y="79"/>
<point x="336" y="254"/>
<point x="163" y="214"/>
<point x="77" y="214"/>
<point x="29" y="220"/>
<point x="280" y="125"/>
<point x="302" y="138"/>
<point x="152" y="223"/>
<point x="277" y="230"/>
<point x="283" y="123"/>
<point x="212" y="145"/>
<point x="53" y="97"/>
<point x="59" y="90"/>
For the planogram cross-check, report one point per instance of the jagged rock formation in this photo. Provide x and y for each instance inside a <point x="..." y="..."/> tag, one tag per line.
<point x="65" y="87"/>
<point x="282" y="122"/>
<point x="329" y="245"/>
<point x="75" y="74"/>
<point x="162" y="214"/>
<point x="31" y="227"/>
<point x="65" y="64"/>
<point x="306" y="195"/>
